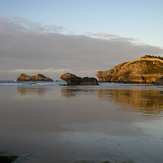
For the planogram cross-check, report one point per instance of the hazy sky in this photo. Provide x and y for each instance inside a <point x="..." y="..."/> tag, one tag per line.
<point x="77" y="36"/>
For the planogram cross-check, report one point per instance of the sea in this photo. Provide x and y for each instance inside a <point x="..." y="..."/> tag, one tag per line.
<point x="50" y="122"/>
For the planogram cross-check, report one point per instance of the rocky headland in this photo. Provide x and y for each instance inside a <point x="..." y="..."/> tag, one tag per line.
<point x="38" y="77"/>
<point x="72" y="79"/>
<point x="159" y="81"/>
<point x="144" y="70"/>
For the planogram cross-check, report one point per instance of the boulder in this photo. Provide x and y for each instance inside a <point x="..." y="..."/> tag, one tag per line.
<point x="67" y="76"/>
<point x="144" y="70"/>
<point x="72" y="79"/>
<point x="159" y="81"/>
<point x="38" y="77"/>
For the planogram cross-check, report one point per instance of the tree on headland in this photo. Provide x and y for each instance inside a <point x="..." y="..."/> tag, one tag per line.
<point x="152" y="56"/>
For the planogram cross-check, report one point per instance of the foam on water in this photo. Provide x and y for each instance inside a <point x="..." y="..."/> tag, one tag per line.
<point x="15" y="83"/>
<point x="107" y="85"/>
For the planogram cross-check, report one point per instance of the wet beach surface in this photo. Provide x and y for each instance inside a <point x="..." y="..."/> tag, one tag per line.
<point x="75" y="124"/>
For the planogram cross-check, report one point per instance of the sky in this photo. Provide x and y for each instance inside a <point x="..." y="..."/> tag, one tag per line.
<point x="77" y="36"/>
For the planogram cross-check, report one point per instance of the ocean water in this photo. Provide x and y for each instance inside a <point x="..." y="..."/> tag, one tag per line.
<point x="24" y="83"/>
<point x="50" y="122"/>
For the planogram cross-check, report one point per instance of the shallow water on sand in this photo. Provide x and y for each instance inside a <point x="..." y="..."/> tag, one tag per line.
<point x="75" y="124"/>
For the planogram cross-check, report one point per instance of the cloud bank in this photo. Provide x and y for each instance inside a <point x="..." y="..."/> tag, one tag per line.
<point x="19" y="24"/>
<point x="33" y="47"/>
<point x="47" y="70"/>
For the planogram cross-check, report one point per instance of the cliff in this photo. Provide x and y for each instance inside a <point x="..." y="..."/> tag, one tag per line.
<point x="38" y="77"/>
<point x="143" y="70"/>
<point x="159" y="81"/>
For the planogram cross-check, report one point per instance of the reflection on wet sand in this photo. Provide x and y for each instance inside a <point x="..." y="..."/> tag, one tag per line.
<point x="88" y="126"/>
<point x="72" y="91"/>
<point x="146" y="101"/>
<point x="31" y="90"/>
<point x="67" y="93"/>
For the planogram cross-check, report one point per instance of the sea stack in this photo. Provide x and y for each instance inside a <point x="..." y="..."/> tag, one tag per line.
<point x="38" y="77"/>
<point x="72" y="79"/>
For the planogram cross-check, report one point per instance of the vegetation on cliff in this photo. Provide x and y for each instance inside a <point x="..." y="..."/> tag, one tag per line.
<point x="152" y="56"/>
<point x="151" y="67"/>
<point x="41" y="76"/>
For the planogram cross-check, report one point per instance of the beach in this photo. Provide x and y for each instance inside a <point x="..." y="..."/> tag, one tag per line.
<point x="52" y="122"/>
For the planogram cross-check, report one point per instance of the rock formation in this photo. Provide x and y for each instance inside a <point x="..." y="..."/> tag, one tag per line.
<point x="67" y="76"/>
<point x="38" y="77"/>
<point x="72" y="79"/>
<point x="159" y="81"/>
<point x="143" y="70"/>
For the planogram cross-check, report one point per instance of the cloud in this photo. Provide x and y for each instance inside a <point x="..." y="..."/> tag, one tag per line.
<point x="31" y="49"/>
<point x="102" y="35"/>
<point x="47" y="70"/>
<point x="113" y="37"/>
<point x="19" y="24"/>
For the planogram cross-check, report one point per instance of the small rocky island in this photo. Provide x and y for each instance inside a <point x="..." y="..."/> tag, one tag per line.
<point x="72" y="79"/>
<point x="38" y="77"/>
<point x="148" y="69"/>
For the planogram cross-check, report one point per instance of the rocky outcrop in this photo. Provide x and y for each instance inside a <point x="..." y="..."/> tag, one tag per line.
<point x="38" y="77"/>
<point x="72" y="79"/>
<point x="159" y="81"/>
<point x="67" y="76"/>
<point x="144" y="70"/>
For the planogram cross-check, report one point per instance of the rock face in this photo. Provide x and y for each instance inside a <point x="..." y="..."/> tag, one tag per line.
<point x="72" y="79"/>
<point x="144" y="70"/>
<point x="67" y="76"/>
<point x="38" y="77"/>
<point x="159" y="81"/>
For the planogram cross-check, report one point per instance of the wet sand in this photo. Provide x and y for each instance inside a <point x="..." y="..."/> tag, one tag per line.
<point x="75" y="124"/>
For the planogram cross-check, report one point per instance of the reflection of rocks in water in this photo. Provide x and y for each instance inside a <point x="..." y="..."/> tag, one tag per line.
<point x="70" y="92"/>
<point x="67" y="93"/>
<point x="31" y="90"/>
<point x="149" y="102"/>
